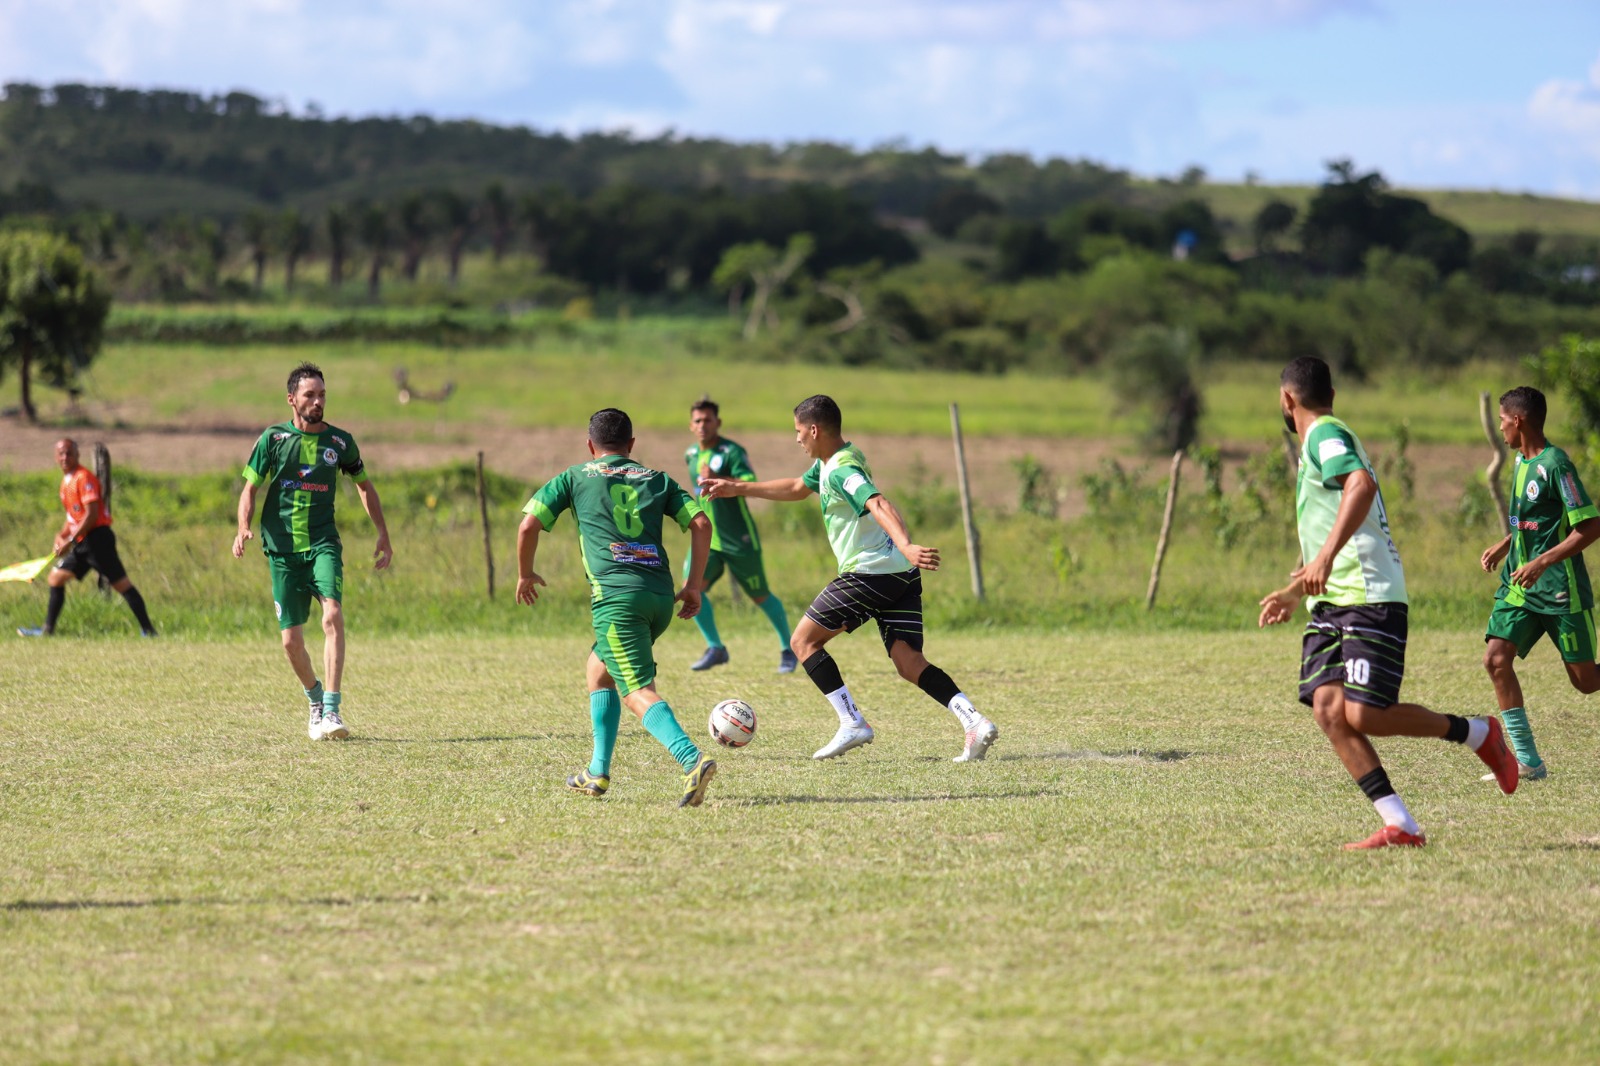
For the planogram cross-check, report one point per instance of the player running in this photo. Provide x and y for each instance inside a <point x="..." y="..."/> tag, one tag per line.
<point x="85" y="542"/>
<point x="1355" y="644"/>
<point x="735" y="544"/>
<point x="1544" y="585"/>
<point x="619" y="506"/>
<point x="299" y="462"/>
<point x="879" y="578"/>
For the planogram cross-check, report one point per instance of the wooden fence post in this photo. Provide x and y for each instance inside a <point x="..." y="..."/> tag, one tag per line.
<point x="1491" y="429"/>
<point x="968" y="525"/>
<point x="1166" y="530"/>
<point x="483" y="513"/>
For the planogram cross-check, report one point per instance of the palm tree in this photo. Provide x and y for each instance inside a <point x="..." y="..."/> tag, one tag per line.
<point x="375" y="234"/>
<point x="499" y="209"/>
<point x="294" y="239"/>
<point x="458" y="216"/>
<point x="257" y="234"/>
<point x="416" y="227"/>
<point x="337" y="221"/>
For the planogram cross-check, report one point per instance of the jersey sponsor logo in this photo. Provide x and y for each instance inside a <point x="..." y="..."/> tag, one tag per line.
<point x="1543" y="472"/>
<point x="1533" y="490"/>
<point x="339" y="441"/>
<point x="629" y="551"/>
<point x="1330" y="449"/>
<point x="330" y="457"/>
<point x="305" y="471"/>
<point x="280" y="436"/>
<point x="1524" y="523"/>
<point x="597" y="470"/>
<point x="302" y="486"/>
<point x="1569" y="490"/>
<point x="853" y="483"/>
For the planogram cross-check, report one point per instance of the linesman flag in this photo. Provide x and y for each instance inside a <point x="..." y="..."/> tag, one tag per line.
<point x="27" y="571"/>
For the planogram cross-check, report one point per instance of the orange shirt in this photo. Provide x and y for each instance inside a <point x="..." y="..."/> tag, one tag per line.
<point x="79" y="489"/>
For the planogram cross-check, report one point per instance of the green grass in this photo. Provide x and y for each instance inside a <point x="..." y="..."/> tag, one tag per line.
<point x="1146" y="869"/>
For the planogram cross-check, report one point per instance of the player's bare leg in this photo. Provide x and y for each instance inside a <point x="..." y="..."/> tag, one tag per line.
<point x="1500" y="659"/>
<point x="333" y="727"/>
<point x="1585" y="677"/>
<point x="294" y="647"/>
<point x="808" y="643"/>
<point x="914" y="667"/>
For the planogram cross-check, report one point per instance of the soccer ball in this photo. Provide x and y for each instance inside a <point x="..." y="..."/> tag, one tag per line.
<point x="733" y="723"/>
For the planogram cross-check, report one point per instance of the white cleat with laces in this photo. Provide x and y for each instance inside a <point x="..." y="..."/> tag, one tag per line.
<point x="979" y="738"/>
<point x="848" y="736"/>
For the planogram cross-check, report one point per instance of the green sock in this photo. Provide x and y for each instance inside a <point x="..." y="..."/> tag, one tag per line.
<point x="314" y="693"/>
<point x="772" y="607"/>
<point x="330" y="702"/>
<point x="665" y="728"/>
<point x="605" y="710"/>
<point x="1520" y="736"/>
<point x="706" y="621"/>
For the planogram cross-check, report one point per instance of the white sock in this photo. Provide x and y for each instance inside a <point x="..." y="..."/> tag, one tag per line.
<point x="845" y="707"/>
<point x="1392" y="809"/>
<point x="963" y="709"/>
<point x="1477" y="733"/>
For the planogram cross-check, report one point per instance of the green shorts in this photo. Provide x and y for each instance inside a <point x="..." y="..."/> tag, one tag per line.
<point x="747" y="570"/>
<point x="626" y="625"/>
<point x="1573" y="634"/>
<point x="298" y="577"/>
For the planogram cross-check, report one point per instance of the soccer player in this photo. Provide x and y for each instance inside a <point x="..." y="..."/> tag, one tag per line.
<point x="85" y="542"/>
<point x="299" y="462"/>
<point x="735" y="544"/>
<point x="879" y="578"/>
<point x="619" y="506"/>
<point x="1354" y="650"/>
<point x="1544" y="585"/>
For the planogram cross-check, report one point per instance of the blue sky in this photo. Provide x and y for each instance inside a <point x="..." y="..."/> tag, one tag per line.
<point x="1470" y="93"/>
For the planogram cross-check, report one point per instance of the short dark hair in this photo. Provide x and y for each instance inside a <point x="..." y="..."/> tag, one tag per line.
<point x="1310" y="380"/>
<point x="610" y="428"/>
<point x="821" y="411"/>
<point x="1527" y="401"/>
<point x="303" y="371"/>
<point x="706" y="403"/>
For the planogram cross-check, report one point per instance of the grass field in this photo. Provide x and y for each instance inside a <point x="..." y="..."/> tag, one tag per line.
<point x="1146" y="869"/>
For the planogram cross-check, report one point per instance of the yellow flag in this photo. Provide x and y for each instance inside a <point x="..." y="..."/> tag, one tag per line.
<point x="27" y="571"/>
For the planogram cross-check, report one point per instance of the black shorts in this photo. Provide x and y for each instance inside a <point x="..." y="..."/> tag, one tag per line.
<point x="893" y="600"/>
<point x="97" y="551"/>
<point x="1362" y="648"/>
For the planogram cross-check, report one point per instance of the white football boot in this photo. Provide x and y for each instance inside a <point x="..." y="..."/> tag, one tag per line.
<point x="333" y="727"/>
<point x="314" y="726"/>
<point x="848" y="736"/>
<point x="979" y="737"/>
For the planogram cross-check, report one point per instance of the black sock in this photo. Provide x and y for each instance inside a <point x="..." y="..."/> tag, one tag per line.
<point x="1376" y="785"/>
<point x="824" y="672"/>
<point x="1456" y="733"/>
<point x="58" y="600"/>
<point x="136" y="602"/>
<point x="937" y="684"/>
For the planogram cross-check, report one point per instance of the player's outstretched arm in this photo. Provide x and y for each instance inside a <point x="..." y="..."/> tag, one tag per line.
<point x="886" y="515"/>
<point x="247" y="511"/>
<point x="527" y="547"/>
<point x="369" y="500"/>
<point x="699" y="553"/>
<point x="784" y="490"/>
<point x="1495" y="554"/>
<point x="1583" y="534"/>
<point x="1358" y="491"/>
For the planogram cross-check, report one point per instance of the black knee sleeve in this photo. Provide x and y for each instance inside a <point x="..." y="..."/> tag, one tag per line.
<point x="824" y="672"/>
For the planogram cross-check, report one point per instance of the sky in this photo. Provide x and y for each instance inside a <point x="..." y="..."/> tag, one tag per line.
<point x="1433" y="93"/>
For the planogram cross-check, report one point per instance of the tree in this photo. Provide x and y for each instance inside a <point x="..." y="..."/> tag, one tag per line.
<point x="1155" y="368"/>
<point x="375" y="234"/>
<point x="294" y="240"/>
<point x="957" y="205"/>
<point x="767" y="270"/>
<point x="416" y="227"/>
<point x="458" y="217"/>
<point x="497" y="205"/>
<point x="258" y="235"/>
<point x="1351" y="215"/>
<point x="52" y="310"/>
<point x="337" y="222"/>
<point x="1271" y="222"/>
<point x="1572" y="367"/>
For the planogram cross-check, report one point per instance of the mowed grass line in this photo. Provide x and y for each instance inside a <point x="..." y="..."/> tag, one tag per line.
<point x="1147" y="868"/>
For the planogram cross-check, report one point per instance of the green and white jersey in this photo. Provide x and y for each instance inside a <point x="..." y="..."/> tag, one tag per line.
<point x="301" y="474"/>
<point x="1547" y="500"/>
<point x="1367" y="569"/>
<point x="733" y="530"/>
<point x="844" y="484"/>
<point x="619" y="506"/>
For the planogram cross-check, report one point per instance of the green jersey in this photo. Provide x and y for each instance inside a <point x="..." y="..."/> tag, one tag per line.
<point x="619" y="506"/>
<point x="1367" y="569"/>
<point x="733" y="531"/>
<point x="301" y="473"/>
<point x="844" y="484"/>
<point x="1547" y="500"/>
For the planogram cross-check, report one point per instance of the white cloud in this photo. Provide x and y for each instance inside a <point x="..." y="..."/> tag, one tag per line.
<point x="1570" y="106"/>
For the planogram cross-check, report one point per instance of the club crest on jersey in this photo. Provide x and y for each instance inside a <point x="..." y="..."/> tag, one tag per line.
<point x="1533" y="490"/>
<point x="330" y="457"/>
<point x="716" y="463"/>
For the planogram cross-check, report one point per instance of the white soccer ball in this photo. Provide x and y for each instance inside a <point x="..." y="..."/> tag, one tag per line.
<point x="733" y="723"/>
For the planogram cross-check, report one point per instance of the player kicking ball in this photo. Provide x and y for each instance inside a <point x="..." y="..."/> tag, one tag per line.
<point x="619" y="506"/>
<point x="880" y="578"/>
<point x="1354" y="650"/>
<point x="1544" y="586"/>
<point x="299" y="463"/>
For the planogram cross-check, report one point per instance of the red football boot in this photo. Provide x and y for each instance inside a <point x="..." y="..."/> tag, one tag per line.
<point x="1498" y="758"/>
<point x="1390" y="836"/>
